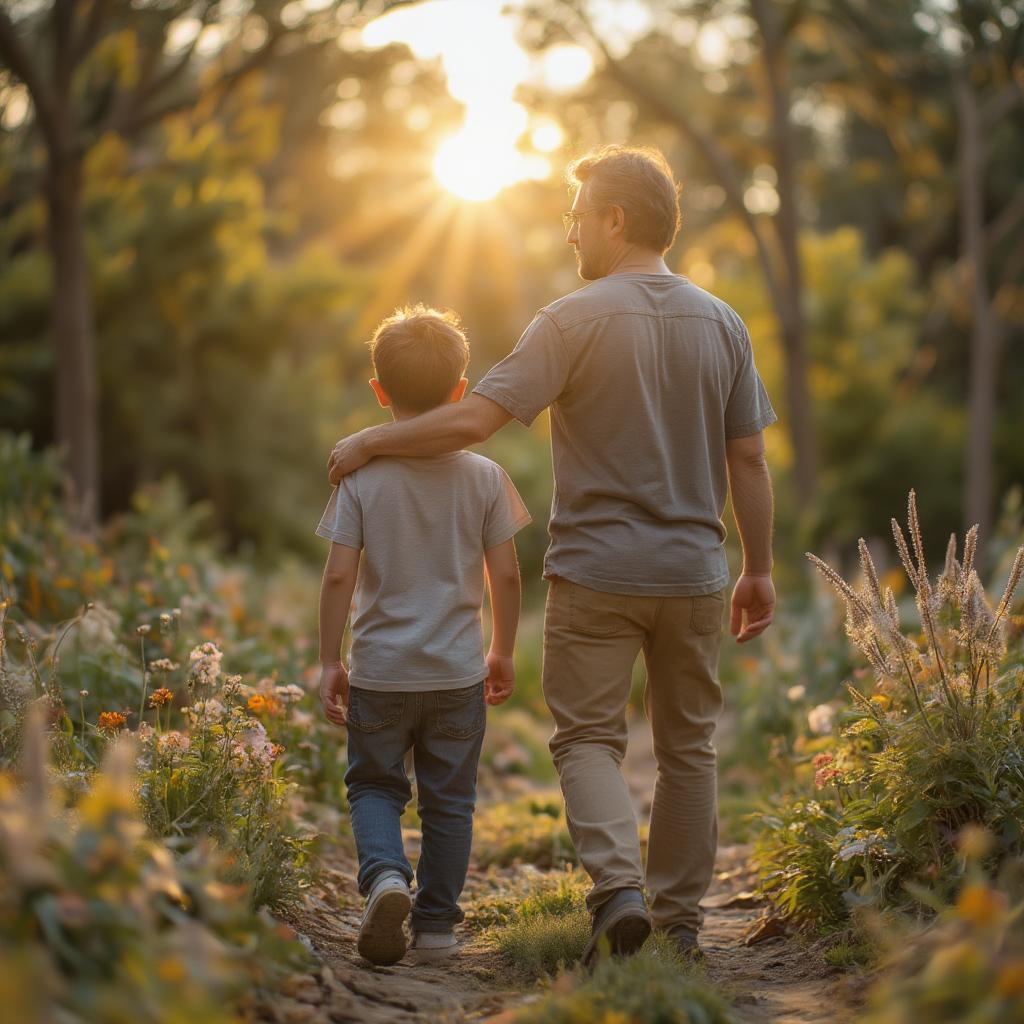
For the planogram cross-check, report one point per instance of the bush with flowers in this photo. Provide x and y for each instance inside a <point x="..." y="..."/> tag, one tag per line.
<point x="937" y="745"/>
<point x="100" y="922"/>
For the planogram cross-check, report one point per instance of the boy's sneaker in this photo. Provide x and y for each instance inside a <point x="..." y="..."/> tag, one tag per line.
<point x="381" y="935"/>
<point x="621" y="925"/>
<point x="430" y="947"/>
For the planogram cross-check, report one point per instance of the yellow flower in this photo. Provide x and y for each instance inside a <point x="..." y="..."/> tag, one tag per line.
<point x="881" y="700"/>
<point x="980" y="905"/>
<point x="974" y="841"/>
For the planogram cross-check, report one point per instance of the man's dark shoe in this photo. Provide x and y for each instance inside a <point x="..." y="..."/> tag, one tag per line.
<point x="621" y="925"/>
<point x="685" y="943"/>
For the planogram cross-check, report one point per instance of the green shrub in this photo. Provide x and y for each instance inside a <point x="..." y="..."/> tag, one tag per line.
<point x="938" y="746"/>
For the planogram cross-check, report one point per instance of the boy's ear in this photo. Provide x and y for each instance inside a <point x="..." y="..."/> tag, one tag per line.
<point x="459" y="390"/>
<point x="382" y="396"/>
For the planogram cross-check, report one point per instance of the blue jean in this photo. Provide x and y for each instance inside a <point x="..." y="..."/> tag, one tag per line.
<point x="444" y="729"/>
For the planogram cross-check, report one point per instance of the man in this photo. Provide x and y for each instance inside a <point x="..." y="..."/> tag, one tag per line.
<point x="656" y="411"/>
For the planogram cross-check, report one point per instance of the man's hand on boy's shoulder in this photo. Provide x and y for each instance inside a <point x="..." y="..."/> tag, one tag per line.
<point x="334" y="692"/>
<point x="347" y="456"/>
<point x="501" y="678"/>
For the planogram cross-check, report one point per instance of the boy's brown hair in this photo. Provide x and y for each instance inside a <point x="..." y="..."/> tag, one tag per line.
<point x="419" y="355"/>
<point x="639" y="179"/>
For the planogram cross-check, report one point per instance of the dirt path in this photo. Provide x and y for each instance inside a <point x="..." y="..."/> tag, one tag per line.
<point x="777" y="979"/>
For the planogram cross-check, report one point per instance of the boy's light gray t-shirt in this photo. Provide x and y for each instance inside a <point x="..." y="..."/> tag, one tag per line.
<point x="424" y="525"/>
<point x="647" y="377"/>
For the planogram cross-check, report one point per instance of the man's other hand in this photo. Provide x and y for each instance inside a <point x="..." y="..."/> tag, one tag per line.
<point x="753" y="607"/>
<point x="347" y="456"/>
<point x="334" y="692"/>
<point x="501" y="679"/>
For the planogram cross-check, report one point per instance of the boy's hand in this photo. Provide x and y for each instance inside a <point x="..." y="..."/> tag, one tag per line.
<point x="334" y="692"/>
<point x="501" y="678"/>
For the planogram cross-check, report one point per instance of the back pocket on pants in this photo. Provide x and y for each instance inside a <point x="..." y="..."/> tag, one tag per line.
<point x="461" y="713"/>
<point x="370" y="710"/>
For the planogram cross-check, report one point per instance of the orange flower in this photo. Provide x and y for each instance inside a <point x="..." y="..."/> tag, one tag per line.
<point x="258" y="703"/>
<point x="1010" y="982"/>
<point x="160" y="697"/>
<point x="980" y="905"/>
<point x="276" y="750"/>
<point x="112" y="720"/>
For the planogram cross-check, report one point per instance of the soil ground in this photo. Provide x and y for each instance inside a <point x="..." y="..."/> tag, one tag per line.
<point x="777" y="978"/>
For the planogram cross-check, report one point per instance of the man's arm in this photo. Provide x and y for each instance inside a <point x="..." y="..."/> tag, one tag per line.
<point x="504" y="587"/>
<point x="750" y="486"/>
<point x="335" y="601"/>
<point x="447" y="428"/>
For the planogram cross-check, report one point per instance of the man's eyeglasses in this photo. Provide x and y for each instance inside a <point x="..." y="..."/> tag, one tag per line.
<point x="573" y="217"/>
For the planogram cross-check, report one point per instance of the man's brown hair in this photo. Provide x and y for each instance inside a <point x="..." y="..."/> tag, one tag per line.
<point x="639" y="179"/>
<point x="419" y="355"/>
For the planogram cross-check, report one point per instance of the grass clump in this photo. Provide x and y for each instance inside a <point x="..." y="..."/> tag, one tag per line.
<point x="544" y="930"/>
<point x="650" y="988"/>
<point x="934" y="750"/>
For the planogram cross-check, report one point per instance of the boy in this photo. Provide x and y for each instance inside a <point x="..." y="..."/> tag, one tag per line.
<point x="417" y="679"/>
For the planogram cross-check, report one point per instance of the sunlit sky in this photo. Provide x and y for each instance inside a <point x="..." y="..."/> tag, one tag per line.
<point x="484" y="64"/>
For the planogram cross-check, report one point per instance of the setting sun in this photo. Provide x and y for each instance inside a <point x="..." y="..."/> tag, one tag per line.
<point x="484" y="65"/>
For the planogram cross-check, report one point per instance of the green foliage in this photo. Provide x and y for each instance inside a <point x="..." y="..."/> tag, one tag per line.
<point x="936" y="749"/>
<point x="649" y="988"/>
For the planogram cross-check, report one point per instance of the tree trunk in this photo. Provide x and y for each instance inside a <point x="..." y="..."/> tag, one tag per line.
<point x="789" y="301"/>
<point x="77" y="410"/>
<point x="984" y="342"/>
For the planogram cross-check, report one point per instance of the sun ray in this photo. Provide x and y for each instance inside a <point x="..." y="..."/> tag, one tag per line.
<point x="501" y="246"/>
<point x="375" y="221"/>
<point x="455" y="266"/>
<point x="414" y="254"/>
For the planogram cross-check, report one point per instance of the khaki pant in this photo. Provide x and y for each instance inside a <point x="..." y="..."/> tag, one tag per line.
<point x="591" y="640"/>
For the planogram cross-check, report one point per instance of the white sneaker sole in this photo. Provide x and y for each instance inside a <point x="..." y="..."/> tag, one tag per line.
<point x="381" y="935"/>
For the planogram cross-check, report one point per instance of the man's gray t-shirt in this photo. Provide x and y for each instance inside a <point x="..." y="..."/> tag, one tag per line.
<point x="424" y="525"/>
<point x="647" y="377"/>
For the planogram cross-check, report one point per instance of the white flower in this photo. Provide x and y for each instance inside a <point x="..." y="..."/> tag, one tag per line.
<point x="797" y="692"/>
<point x="289" y="694"/>
<point x="162" y="665"/>
<point x="204" y="661"/>
<point x="820" y="719"/>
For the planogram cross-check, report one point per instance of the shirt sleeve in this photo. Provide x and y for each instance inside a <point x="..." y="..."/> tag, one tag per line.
<point x="748" y="409"/>
<point x="532" y="375"/>
<point x="342" y="520"/>
<point x="506" y="513"/>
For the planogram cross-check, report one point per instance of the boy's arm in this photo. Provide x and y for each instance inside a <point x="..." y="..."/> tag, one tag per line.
<point x="335" y="601"/>
<point x="750" y="486"/>
<point x="447" y="428"/>
<point x="503" y="586"/>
